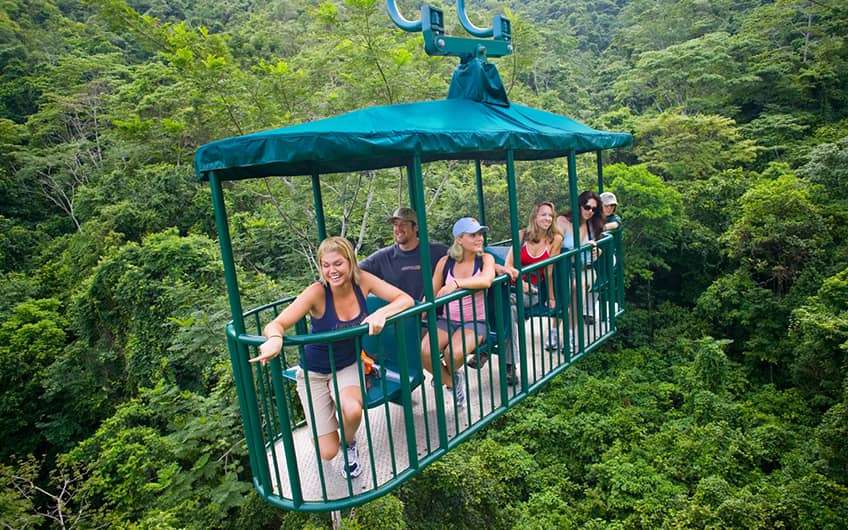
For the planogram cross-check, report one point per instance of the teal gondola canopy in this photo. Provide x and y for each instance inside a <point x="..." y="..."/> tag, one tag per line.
<point x="475" y="122"/>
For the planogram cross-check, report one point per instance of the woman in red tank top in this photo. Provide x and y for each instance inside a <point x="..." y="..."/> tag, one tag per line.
<point x="539" y="241"/>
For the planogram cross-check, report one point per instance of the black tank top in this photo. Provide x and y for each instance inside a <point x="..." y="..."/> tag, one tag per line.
<point x="316" y="357"/>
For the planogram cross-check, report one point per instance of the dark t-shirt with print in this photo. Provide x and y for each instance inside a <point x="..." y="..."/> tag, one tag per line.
<point x="401" y="268"/>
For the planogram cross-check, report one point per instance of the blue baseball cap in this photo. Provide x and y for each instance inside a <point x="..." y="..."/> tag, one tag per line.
<point x="468" y="225"/>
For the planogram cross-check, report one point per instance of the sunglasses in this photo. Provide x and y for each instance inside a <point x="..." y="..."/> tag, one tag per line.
<point x="589" y="208"/>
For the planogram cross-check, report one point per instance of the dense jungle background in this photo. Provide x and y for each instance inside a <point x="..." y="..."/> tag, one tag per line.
<point x="723" y="402"/>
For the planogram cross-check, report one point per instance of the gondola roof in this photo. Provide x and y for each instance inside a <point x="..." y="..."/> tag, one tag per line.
<point x="476" y="121"/>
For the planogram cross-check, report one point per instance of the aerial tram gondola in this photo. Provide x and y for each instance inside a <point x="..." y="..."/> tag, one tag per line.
<point x="407" y="424"/>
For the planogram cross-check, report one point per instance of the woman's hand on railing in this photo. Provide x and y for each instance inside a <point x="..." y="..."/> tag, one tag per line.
<point x="376" y="321"/>
<point x="512" y="272"/>
<point x="595" y="250"/>
<point x="270" y="349"/>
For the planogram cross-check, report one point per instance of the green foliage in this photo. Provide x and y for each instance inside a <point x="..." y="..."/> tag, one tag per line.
<point x="681" y="146"/>
<point x="17" y="245"/>
<point x="698" y="75"/>
<point x="830" y="436"/>
<point x="470" y="487"/>
<point x="751" y="315"/>
<point x="165" y="456"/>
<point x="385" y="512"/>
<point x="652" y="212"/>
<point x="828" y="166"/>
<point x="31" y="337"/>
<point x="16" y="509"/>
<point x="779" y="228"/>
<point x="111" y="346"/>
<point x="130" y="296"/>
<point x="820" y="339"/>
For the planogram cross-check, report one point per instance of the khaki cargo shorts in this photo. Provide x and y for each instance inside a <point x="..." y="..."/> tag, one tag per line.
<point x="323" y="395"/>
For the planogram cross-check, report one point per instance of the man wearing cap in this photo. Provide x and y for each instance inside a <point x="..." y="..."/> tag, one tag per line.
<point x="610" y="204"/>
<point x="400" y="264"/>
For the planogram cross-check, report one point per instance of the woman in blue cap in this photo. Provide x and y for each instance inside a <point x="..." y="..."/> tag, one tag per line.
<point x="463" y="323"/>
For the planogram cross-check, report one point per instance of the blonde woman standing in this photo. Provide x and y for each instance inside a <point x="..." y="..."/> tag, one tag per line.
<point x="337" y="301"/>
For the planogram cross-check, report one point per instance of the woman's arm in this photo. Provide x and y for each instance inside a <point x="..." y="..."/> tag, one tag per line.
<point x="564" y="224"/>
<point x="556" y="247"/>
<point x="306" y="302"/>
<point x="611" y="225"/>
<point x="397" y="301"/>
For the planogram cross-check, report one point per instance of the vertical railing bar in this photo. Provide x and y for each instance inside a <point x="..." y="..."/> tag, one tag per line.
<point x="516" y="252"/>
<point x="499" y="324"/>
<point x="239" y="354"/>
<point x="575" y="228"/>
<point x="338" y="403"/>
<point x="533" y="304"/>
<point x="406" y="396"/>
<point x="572" y="309"/>
<point x="451" y="369"/>
<point x="564" y="298"/>
<point x="464" y="366"/>
<point x="263" y="401"/>
<point x="477" y="354"/>
<point x="593" y="281"/>
<point x="492" y="348"/>
<point x="318" y="204"/>
<point x="285" y="434"/>
<point x="314" y="429"/>
<point x="357" y="347"/>
<point x="588" y="275"/>
<point x="613" y="289"/>
<point x="553" y="322"/>
<point x="270" y="422"/>
<point x="287" y="399"/>
<point x="417" y="196"/>
<point x="388" y="424"/>
<point x="232" y="346"/>
<point x="545" y="320"/>
<point x="481" y="200"/>
<point x="424" y="404"/>
<point x="603" y="280"/>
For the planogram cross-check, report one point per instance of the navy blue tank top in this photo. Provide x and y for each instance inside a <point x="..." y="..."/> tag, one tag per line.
<point x="316" y="357"/>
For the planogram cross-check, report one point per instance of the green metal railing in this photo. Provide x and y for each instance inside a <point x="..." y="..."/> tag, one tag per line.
<point x="415" y="426"/>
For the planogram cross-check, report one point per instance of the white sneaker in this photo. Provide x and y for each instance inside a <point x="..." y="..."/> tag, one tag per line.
<point x="459" y="390"/>
<point x="353" y="468"/>
<point x="552" y="342"/>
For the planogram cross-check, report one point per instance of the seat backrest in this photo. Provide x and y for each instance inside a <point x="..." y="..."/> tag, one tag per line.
<point x="385" y="347"/>
<point x="499" y="253"/>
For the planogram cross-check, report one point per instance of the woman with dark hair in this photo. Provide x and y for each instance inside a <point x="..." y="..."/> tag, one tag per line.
<point x="591" y="219"/>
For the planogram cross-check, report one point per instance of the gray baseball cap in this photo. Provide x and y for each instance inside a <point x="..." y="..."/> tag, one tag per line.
<point x="403" y="214"/>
